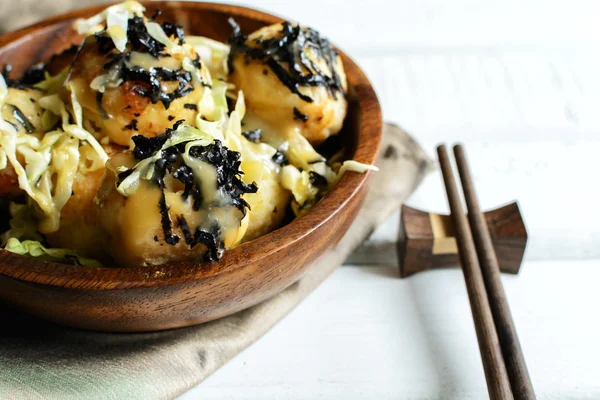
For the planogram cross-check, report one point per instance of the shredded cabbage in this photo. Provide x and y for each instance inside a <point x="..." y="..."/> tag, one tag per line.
<point x="145" y="168"/>
<point x="298" y="182"/>
<point x="34" y="248"/>
<point x="23" y="238"/>
<point x="355" y="166"/>
<point x="50" y="162"/>
<point x="116" y="18"/>
<point x="22" y="224"/>
<point x="214" y="54"/>
<point x="52" y="84"/>
<point x="157" y="32"/>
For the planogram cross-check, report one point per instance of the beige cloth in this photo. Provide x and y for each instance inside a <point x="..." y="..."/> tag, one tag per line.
<point x="41" y="360"/>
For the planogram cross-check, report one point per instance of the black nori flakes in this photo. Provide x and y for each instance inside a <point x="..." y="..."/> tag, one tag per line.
<point x="227" y="163"/>
<point x="253" y="136"/>
<point x="211" y="239"/>
<point x="34" y="74"/>
<point x="23" y="120"/>
<point x="165" y="221"/>
<point x="280" y="158"/>
<point x="299" y="116"/>
<point x="185" y="175"/>
<point x="208" y="238"/>
<point x="148" y="82"/>
<point x="140" y="40"/>
<point x="187" y="234"/>
<point x="190" y="106"/>
<point x="132" y="125"/>
<point x="286" y="56"/>
<point x="317" y="180"/>
<point x="174" y="30"/>
<point x="146" y="147"/>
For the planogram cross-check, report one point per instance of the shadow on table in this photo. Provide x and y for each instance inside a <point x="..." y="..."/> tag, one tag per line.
<point x="451" y="381"/>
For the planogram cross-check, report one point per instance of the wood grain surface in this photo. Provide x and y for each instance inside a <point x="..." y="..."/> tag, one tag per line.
<point x="494" y="367"/>
<point x="416" y="241"/>
<point x="514" y="359"/>
<point x="186" y="293"/>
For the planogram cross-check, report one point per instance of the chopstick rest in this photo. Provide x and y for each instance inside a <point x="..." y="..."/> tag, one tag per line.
<point x="428" y="240"/>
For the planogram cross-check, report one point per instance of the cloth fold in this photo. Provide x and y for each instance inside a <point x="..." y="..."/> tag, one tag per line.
<point x="42" y="360"/>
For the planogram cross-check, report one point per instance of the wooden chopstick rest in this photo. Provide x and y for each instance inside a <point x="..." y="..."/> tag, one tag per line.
<point x="428" y="240"/>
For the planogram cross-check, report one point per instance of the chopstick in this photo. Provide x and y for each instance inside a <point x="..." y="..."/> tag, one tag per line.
<point x="489" y="347"/>
<point x="505" y="327"/>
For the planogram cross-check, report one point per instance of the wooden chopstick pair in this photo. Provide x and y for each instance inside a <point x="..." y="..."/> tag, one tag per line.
<point x="503" y="361"/>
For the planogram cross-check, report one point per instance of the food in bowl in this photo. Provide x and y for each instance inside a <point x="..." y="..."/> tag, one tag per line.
<point x="144" y="146"/>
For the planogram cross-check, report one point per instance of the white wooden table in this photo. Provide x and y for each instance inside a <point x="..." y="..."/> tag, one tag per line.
<point x="518" y="83"/>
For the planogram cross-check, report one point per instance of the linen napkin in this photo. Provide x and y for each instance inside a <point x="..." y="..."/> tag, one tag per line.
<point x="40" y="360"/>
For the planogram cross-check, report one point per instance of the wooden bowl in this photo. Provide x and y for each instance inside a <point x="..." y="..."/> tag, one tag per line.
<point x="192" y="292"/>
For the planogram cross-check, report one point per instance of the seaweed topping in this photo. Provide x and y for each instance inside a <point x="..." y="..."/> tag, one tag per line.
<point x="227" y="164"/>
<point x="286" y="55"/>
<point x="299" y="116"/>
<point x="165" y="220"/>
<point x="171" y="161"/>
<point x="32" y="76"/>
<point x="140" y="40"/>
<point x="148" y="83"/>
<point x="280" y="158"/>
<point x="23" y="120"/>
<point x="316" y="179"/>
<point x="132" y="125"/>
<point x="190" y="106"/>
<point x="123" y="175"/>
<point x="210" y="238"/>
<point x="174" y="30"/>
<point x="253" y="136"/>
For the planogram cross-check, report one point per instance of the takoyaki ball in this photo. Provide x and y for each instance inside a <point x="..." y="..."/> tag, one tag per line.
<point x="79" y="229"/>
<point x="149" y="228"/>
<point x="121" y="105"/>
<point x="308" y="96"/>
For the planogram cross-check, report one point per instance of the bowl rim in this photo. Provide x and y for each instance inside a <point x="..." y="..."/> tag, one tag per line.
<point x="28" y="269"/>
